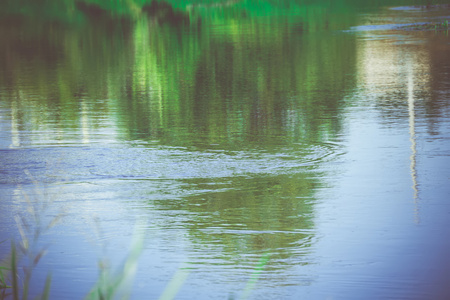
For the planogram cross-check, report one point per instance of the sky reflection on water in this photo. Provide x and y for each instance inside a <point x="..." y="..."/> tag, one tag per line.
<point x="324" y="155"/>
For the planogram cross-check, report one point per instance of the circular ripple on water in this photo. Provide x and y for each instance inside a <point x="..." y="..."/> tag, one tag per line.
<point x="180" y="163"/>
<point x="158" y="162"/>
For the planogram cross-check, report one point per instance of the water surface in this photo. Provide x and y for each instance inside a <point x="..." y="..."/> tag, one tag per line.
<point x="262" y="156"/>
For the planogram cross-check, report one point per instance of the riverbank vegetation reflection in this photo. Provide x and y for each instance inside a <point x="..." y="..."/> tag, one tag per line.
<point x="211" y="120"/>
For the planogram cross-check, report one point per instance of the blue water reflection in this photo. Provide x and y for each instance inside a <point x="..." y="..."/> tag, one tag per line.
<point x="262" y="158"/>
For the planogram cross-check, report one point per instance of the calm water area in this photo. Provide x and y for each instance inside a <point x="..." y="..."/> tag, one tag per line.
<point x="256" y="154"/>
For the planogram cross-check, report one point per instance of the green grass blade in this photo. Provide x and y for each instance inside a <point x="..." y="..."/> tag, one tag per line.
<point x="15" y="283"/>
<point x="46" y="293"/>
<point x="114" y="285"/>
<point x="176" y="283"/>
<point x="3" y="284"/>
<point x="255" y="276"/>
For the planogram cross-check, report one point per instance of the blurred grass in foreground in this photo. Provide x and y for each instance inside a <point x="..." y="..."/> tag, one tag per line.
<point x="16" y="269"/>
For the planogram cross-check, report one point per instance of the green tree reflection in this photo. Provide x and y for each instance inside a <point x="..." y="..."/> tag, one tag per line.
<point x="227" y="84"/>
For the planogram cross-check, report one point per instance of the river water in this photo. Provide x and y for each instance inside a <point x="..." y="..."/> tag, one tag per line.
<point x="295" y="156"/>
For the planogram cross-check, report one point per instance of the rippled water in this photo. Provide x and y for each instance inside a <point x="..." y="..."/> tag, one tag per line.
<point x="261" y="157"/>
